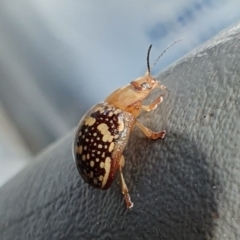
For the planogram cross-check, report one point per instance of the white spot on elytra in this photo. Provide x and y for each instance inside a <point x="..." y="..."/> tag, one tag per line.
<point x="107" y="167"/>
<point x="110" y="138"/>
<point x="103" y="128"/>
<point x="107" y="137"/>
<point x="90" y="121"/>
<point x="79" y="150"/>
<point x="117" y="111"/>
<point x="111" y="147"/>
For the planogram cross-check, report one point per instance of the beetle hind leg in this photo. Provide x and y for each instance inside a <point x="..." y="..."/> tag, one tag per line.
<point x="149" y="133"/>
<point x="124" y="188"/>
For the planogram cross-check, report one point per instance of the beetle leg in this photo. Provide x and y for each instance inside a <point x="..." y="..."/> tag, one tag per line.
<point x="128" y="201"/>
<point x="161" y="86"/>
<point x="149" y="133"/>
<point x="153" y="105"/>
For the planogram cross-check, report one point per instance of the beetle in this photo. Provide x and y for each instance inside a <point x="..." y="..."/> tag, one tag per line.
<point x="104" y="130"/>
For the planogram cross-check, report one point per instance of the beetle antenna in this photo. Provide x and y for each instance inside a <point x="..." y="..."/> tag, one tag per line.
<point x="163" y="52"/>
<point x="148" y="55"/>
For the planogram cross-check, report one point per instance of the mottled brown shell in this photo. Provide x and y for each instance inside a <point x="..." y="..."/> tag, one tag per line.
<point x="99" y="142"/>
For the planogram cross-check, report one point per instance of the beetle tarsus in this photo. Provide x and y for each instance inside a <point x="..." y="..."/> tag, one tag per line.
<point x="127" y="198"/>
<point x="156" y="135"/>
<point x="149" y="133"/>
<point x="128" y="201"/>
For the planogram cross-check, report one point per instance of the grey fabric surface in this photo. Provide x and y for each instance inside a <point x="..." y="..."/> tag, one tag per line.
<point x="186" y="186"/>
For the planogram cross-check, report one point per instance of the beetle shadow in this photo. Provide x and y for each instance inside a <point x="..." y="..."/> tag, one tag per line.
<point x="174" y="188"/>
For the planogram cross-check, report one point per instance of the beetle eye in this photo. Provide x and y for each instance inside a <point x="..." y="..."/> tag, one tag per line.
<point x="145" y="85"/>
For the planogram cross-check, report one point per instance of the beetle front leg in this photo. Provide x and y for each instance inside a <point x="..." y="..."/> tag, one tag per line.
<point x="128" y="201"/>
<point x="153" y="105"/>
<point x="149" y="133"/>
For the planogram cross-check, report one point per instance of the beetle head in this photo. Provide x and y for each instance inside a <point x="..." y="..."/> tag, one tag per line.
<point x="147" y="82"/>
